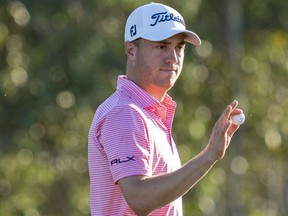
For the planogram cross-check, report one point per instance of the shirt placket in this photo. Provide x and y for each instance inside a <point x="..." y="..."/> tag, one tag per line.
<point x="163" y="121"/>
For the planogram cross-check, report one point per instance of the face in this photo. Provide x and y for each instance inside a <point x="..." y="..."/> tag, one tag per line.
<point x="157" y="65"/>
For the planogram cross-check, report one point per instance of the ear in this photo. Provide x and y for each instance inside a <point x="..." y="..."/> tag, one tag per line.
<point x="130" y="50"/>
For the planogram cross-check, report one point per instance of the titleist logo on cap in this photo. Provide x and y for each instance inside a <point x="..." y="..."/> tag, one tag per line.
<point x="164" y="17"/>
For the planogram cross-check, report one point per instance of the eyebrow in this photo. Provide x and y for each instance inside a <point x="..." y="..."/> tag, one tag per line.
<point x="168" y="42"/>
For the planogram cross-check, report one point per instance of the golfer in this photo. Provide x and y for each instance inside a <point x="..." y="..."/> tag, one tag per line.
<point x="134" y="165"/>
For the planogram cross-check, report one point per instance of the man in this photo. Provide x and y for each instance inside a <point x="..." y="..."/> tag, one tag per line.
<point x="133" y="161"/>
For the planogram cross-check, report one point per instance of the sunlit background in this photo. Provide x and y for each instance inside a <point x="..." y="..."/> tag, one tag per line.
<point x="60" y="59"/>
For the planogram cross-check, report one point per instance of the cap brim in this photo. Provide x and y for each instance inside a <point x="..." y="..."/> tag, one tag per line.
<point x="190" y="36"/>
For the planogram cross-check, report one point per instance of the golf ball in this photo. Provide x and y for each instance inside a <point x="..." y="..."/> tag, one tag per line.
<point x="238" y="119"/>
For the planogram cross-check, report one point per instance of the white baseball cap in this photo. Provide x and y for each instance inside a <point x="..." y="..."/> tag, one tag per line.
<point x="156" y="22"/>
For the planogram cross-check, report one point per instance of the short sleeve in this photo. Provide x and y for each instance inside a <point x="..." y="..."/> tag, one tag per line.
<point x="125" y="139"/>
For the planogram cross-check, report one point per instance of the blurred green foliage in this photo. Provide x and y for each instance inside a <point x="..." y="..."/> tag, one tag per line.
<point x="60" y="59"/>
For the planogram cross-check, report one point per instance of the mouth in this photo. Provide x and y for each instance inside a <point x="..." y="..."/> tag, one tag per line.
<point x="169" y="70"/>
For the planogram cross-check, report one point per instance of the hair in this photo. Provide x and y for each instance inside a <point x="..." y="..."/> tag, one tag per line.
<point x="136" y="42"/>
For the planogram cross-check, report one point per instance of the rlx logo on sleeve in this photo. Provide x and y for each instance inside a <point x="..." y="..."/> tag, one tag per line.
<point x="118" y="160"/>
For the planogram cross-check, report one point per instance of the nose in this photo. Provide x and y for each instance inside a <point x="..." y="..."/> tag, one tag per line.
<point x="172" y="56"/>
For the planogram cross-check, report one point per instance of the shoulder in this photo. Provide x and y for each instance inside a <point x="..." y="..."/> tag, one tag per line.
<point x="128" y="112"/>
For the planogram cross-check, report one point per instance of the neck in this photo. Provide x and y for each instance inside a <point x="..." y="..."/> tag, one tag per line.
<point x="157" y="94"/>
<point x="154" y="91"/>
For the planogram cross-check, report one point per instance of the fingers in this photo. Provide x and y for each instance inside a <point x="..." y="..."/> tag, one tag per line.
<point x="234" y="104"/>
<point x="223" y="130"/>
<point x="224" y="118"/>
<point x="224" y="121"/>
<point x="234" y="111"/>
<point x="232" y="129"/>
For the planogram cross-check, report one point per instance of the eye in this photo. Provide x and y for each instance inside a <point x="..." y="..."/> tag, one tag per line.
<point x="161" y="47"/>
<point x="180" y="47"/>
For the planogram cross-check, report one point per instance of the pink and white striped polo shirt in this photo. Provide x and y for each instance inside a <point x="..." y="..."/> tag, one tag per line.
<point x="130" y="135"/>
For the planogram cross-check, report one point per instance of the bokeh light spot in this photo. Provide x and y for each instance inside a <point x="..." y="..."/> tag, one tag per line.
<point x="65" y="99"/>
<point x="19" y="76"/>
<point x="25" y="156"/>
<point x="239" y="165"/>
<point x="20" y="13"/>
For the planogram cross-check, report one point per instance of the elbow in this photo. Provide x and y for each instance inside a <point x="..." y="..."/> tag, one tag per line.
<point x="138" y="207"/>
<point x="136" y="195"/>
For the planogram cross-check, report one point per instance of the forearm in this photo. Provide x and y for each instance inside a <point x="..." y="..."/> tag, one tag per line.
<point x="146" y="194"/>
